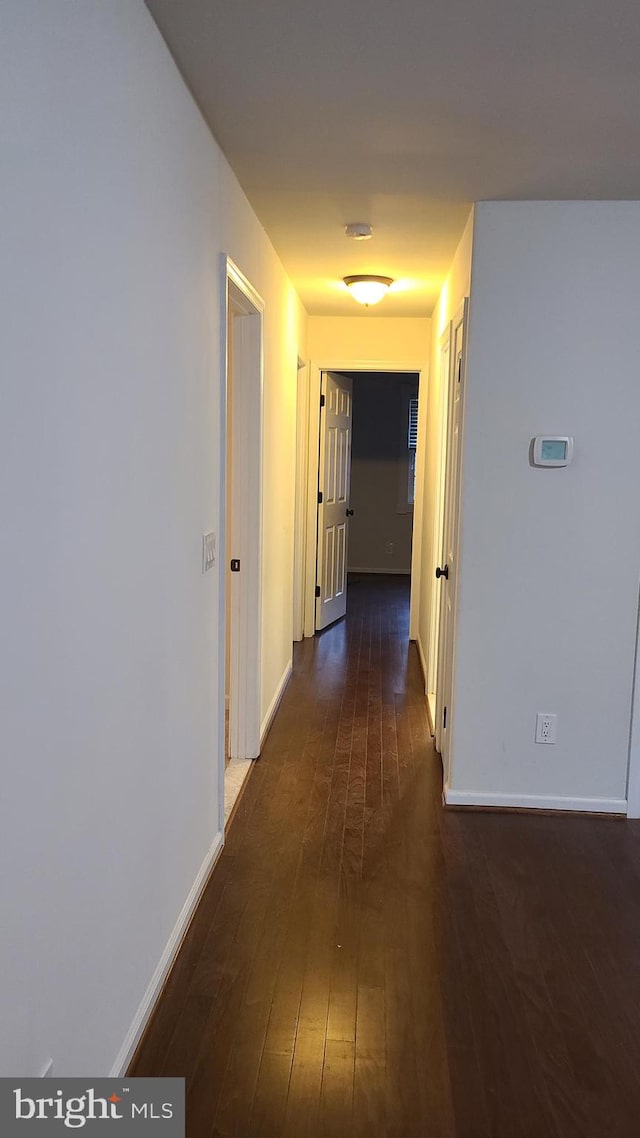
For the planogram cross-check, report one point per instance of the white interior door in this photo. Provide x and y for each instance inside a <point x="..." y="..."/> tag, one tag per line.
<point x="242" y="536"/>
<point x="334" y="482"/>
<point x="447" y="571"/>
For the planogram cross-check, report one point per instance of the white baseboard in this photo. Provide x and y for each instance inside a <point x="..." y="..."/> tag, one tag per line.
<point x="236" y="773"/>
<point x="633" y="801"/>
<point x="386" y="572"/>
<point x="423" y="662"/>
<point x="275" y="702"/>
<point x="431" y="711"/>
<point x="535" y="802"/>
<point x="431" y="699"/>
<point x="143" y="1014"/>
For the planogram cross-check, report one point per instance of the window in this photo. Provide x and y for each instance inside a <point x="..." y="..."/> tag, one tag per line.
<point x="407" y="442"/>
<point x="412" y="433"/>
<point x="412" y="442"/>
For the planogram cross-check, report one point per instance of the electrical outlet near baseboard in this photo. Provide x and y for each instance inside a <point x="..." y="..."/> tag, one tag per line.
<point x="546" y="726"/>
<point x="389" y="548"/>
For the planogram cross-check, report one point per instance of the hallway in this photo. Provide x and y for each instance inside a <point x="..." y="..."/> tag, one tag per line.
<point x="363" y="963"/>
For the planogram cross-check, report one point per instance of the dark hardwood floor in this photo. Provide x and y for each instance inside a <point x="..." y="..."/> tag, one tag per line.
<point x="364" y="963"/>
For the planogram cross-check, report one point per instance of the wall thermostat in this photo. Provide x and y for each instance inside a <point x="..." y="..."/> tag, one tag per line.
<point x="551" y="450"/>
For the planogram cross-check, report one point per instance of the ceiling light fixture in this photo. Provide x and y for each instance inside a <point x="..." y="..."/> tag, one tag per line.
<point x="359" y="230"/>
<point x="367" y="289"/>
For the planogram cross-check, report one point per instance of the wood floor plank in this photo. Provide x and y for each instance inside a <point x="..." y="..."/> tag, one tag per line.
<point x="272" y="1092"/>
<point x="370" y="1101"/>
<point x="341" y="1018"/>
<point x="336" y="1096"/>
<point x="305" y="1085"/>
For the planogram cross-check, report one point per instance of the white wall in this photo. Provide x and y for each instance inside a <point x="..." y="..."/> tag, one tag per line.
<point x="550" y="559"/>
<point x="455" y="289"/>
<point x="365" y="337"/>
<point x="379" y="472"/>
<point x="116" y="208"/>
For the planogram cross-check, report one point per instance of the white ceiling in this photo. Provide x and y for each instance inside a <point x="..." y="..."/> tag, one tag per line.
<point x="401" y="113"/>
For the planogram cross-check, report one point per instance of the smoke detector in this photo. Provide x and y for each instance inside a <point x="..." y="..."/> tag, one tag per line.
<point x="358" y="230"/>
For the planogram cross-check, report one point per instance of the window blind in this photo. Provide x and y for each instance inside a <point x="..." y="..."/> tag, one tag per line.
<point x="412" y="435"/>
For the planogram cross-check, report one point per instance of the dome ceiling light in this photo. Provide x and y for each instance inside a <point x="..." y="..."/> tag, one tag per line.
<point x="368" y="289"/>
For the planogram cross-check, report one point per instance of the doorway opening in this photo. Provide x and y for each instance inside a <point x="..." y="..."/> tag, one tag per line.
<point x="364" y="483"/>
<point x="241" y="544"/>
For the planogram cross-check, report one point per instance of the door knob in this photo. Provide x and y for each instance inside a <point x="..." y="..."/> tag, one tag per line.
<point x="442" y="572"/>
<point x="349" y="513"/>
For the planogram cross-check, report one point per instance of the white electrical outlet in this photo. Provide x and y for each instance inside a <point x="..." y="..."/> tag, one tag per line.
<point x="546" y="725"/>
<point x="208" y="551"/>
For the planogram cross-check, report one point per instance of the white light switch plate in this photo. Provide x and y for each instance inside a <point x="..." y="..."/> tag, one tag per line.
<point x="208" y="551"/>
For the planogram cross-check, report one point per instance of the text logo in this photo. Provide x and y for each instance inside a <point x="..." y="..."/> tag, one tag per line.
<point x="133" y="1107"/>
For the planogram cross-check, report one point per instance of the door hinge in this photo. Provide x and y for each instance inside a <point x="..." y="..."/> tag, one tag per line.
<point x="444" y="720"/>
<point x="235" y="565"/>
<point x="319" y="497"/>
<point x="322" y="400"/>
<point x="317" y="590"/>
<point x="459" y="368"/>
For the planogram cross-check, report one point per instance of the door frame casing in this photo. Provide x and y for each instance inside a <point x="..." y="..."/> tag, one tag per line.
<point x="442" y="411"/>
<point x="633" y="773"/>
<point x="315" y="372"/>
<point x="459" y="320"/>
<point x="239" y="295"/>
<point x="300" y="518"/>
